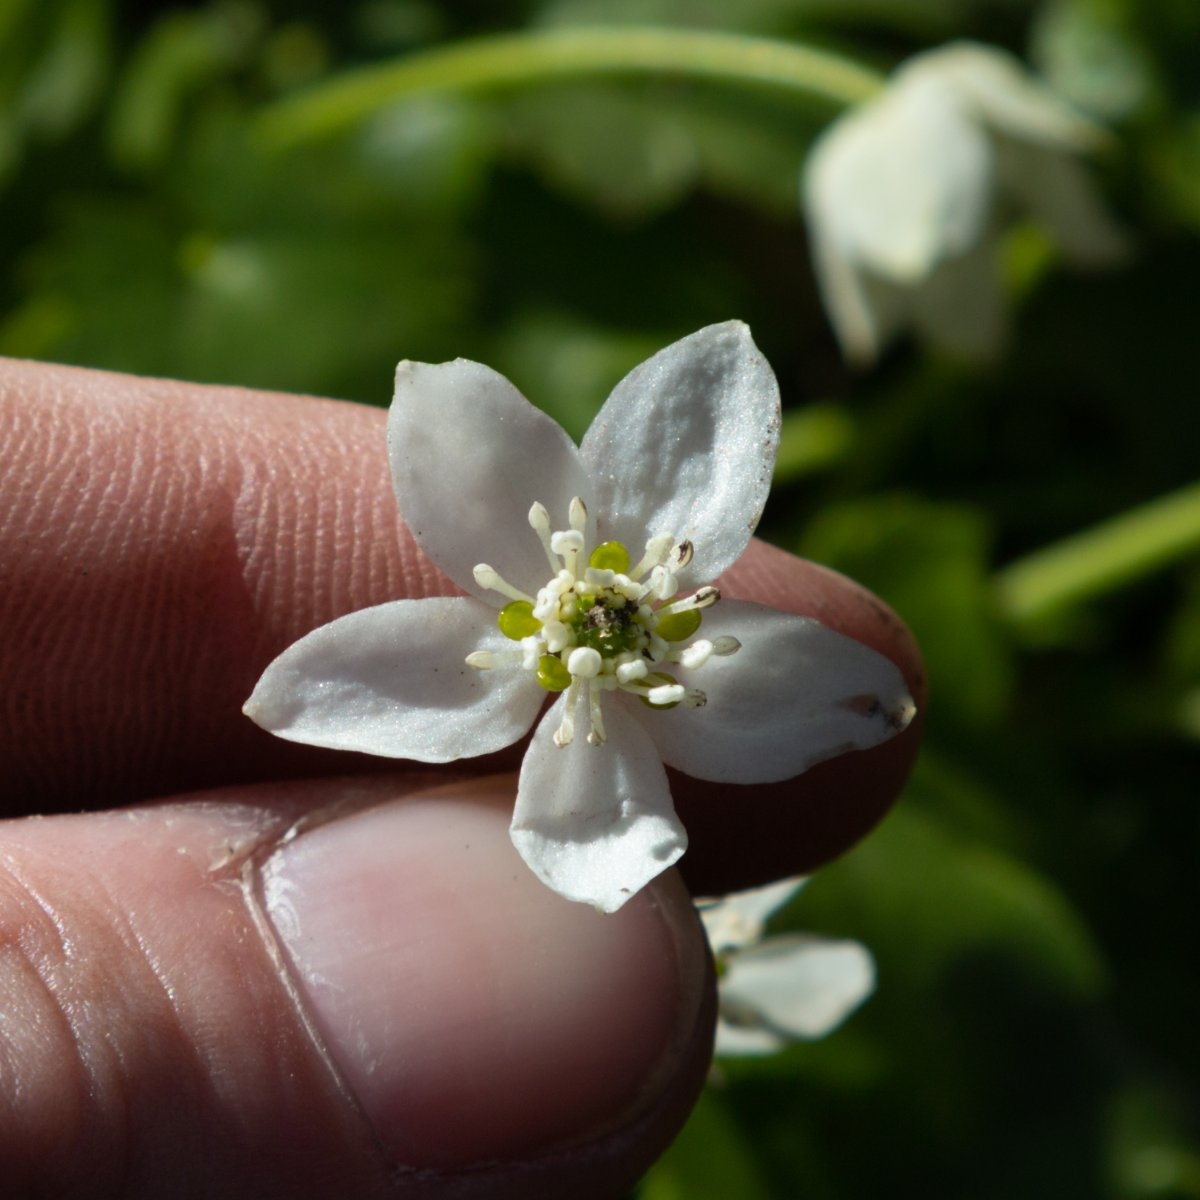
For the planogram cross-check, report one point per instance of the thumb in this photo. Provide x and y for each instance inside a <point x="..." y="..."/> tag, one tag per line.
<point x="221" y="996"/>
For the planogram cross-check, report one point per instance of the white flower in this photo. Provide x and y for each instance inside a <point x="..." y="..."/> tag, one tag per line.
<point x="780" y="989"/>
<point x="587" y="570"/>
<point x="907" y="195"/>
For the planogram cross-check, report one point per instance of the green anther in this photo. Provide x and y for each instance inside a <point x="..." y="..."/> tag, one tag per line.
<point x="552" y="674"/>
<point x="516" y="620"/>
<point x="610" y="556"/>
<point x="678" y="626"/>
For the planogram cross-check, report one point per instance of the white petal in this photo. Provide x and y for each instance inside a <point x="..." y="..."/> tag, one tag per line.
<point x="794" y="694"/>
<point x="902" y="183"/>
<point x="961" y="308"/>
<point x="742" y="1041"/>
<point x="595" y="823"/>
<point x="865" y="311"/>
<point x="391" y="680"/>
<point x="799" y="986"/>
<point x="1004" y="95"/>
<point x="469" y="456"/>
<point x="738" y="919"/>
<point x="685" y="446"/>
<point x="1059" y="194"/>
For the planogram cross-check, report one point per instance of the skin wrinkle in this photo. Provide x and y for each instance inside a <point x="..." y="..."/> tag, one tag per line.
<point x="167" y="1068"/>
<point x="67" y="1110"/>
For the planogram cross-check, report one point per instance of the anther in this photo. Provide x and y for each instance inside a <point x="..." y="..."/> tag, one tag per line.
<point x="577" y="514"/>
<point x="539" y="520"/>
<point x="667" y="693"/>
<point x="726" y="645"/>
<point x="584" y="663"/>
<point x="693" y="656"/>
<point x="706" y="597"/>
<point x="657" y="548"/>
<point x="491" y="579"/>
<point x="681" y="555"/>
<point x="597" y="736"/>
<point x="565" y="733"/>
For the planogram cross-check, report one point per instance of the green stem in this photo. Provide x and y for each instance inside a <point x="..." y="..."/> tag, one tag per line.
<point x="1098" y="560"/>
<point x="540" y="56"/>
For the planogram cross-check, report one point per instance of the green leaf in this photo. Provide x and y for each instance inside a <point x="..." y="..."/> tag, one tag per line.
<point x="929" y="562"/>
<point x="711" y="1158"/>
<point x="925" y="899"/>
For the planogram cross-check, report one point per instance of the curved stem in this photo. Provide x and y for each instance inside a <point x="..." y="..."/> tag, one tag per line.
<point x="540" y="56"/>
<point x="1098" y="560"/>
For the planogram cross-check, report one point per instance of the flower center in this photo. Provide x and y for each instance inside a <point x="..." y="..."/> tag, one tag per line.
<point x="599" y="624"/>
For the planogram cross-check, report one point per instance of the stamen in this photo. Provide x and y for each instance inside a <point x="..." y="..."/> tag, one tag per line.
<point x="491" y="579"/>
<point x="568" y="544"/>
<point x="597" y="736"/>
<point x="486" y="660"/>
<point x="657" y="549"/>
<point x="630" y="672"/>
<point x="726" y="645"/>
<point x="577" y="514"/>
<point x="661" y="585"/>
<point x="693" y="656"/>
<point x="706" y="597"/>
<point x="557" y="635"/>
<point x="681" y="555"/>
<point x="565" y="733"/>
<point x="666" y="693"/>
<point x="584" y="663"/>
<point x="694" y="698"/>
<point x="539" y="519"/>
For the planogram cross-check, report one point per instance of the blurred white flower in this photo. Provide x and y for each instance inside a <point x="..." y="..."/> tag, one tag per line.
<point x="907" y="196"/>
<point x="779" y="989"/>
<point x="678" y="461"/>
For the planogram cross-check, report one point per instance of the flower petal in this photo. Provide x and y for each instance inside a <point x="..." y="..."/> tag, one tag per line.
<point x="794" y="694"/>
<point x="742" y="1041"/>
<point x="796" y="985"/>
<point x="1060" y="194"/>
<point x="391" y="680"/>
<point x="961" y="308"/>
<point x="902" y="183"/>
<point x="469" y="457"/>
<point x="738" y="919"/>
<point x="685" y="446"/>
<point x="1004" y="95"/>
<point x="595" y="823"/>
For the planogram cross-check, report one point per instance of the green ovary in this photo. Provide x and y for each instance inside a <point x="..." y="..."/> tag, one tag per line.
<point x="516" y="620"/>
<point x="609" y="629"/>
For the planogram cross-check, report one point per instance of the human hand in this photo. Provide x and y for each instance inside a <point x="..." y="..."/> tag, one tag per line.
<point x="326" y="986"/>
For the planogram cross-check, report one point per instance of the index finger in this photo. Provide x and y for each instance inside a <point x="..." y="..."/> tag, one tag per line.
<point x="162" y="542"/>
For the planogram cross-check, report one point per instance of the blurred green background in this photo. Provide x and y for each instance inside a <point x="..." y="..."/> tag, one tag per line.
<point x="1033" y="903"/>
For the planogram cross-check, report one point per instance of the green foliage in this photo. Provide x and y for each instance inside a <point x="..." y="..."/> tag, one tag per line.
<point x="1033" y="903"/>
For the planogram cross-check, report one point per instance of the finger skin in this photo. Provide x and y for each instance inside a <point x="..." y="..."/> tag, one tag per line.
<point x="162" y="542"/>
<point x="156" y="1041"/>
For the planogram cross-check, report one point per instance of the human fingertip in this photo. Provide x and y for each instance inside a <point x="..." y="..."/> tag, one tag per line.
<point x="486" y="1026"/>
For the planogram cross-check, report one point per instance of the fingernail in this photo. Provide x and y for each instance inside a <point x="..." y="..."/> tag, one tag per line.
<point x="474" y="1014"/>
